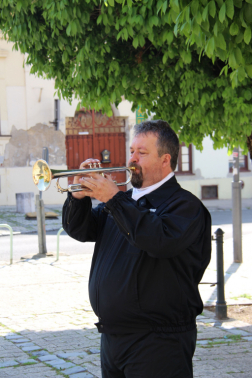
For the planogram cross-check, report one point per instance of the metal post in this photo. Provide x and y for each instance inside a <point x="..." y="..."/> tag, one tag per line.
<point x="45" y="156"/>
<point x="11" y="240"/>
<point x="56" y="114"/>
<point x="41" y="225"/>
<point x="236" y="210"/>
<point x="221" y="304"/>
<point x="58" y="235"/>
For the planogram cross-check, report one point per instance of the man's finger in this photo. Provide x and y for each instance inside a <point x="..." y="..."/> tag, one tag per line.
<point x="108" y="177"/>
<point x="89" y="182"/>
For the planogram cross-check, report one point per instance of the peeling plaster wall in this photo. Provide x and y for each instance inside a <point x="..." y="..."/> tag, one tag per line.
<point x="25" y="146"/>
<point x="21" y="151"/>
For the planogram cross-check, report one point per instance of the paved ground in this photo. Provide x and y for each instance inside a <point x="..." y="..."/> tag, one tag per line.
<point x="47" y="326"/>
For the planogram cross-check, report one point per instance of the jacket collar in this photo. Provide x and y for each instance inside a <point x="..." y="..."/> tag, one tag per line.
<point x="161" y="194"/>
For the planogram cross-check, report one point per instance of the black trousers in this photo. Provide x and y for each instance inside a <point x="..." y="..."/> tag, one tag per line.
<point x="152" y="355"/>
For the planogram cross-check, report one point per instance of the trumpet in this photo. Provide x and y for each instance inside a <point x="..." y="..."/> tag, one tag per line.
<point x="43" y="175"/>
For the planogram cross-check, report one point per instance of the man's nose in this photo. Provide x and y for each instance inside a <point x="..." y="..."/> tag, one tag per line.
<point x="133" y="158"/>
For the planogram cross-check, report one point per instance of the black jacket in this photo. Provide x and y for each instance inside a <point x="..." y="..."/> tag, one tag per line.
<point x="149" y="258"/>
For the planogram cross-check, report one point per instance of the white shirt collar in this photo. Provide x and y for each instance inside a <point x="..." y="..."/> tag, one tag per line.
<point x="138" y="193"/>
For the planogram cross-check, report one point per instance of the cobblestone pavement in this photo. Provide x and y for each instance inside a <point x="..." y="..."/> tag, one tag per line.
<point x="47" y="326"/>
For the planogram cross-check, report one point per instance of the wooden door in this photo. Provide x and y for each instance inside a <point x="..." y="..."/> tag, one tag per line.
<point x="88" y="134"/>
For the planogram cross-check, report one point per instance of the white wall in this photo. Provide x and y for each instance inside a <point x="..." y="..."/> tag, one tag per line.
<point x="16" y="107"/>
<point x="210" y="163"/>
<point x="39" y="99"/>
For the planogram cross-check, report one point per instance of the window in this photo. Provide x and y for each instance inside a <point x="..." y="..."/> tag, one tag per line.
<point x="184" y="165"/>
<point x="243" y="162"/>
<point x="209" y="192"/>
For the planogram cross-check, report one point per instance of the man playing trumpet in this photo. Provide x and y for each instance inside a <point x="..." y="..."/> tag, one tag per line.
<point x="152" y="246"/>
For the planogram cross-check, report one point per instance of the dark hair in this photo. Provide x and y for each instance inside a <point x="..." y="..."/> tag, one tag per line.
<point x="167" y="142"/>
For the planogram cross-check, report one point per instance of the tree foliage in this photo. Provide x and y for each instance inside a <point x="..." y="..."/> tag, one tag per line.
<point x="159" y="54"/>
<point x="220" y="29"/>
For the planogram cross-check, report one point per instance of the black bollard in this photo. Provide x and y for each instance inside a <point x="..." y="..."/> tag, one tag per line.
<point x="221" y="305"/>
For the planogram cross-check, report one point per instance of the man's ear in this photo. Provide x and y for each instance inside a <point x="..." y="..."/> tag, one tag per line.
<point x="166" y="160"/>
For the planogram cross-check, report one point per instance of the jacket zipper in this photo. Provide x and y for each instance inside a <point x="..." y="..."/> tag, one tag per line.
<point x="99" y="277"/>
<point x="124" y="229"/>
<point x="69" y="210"/>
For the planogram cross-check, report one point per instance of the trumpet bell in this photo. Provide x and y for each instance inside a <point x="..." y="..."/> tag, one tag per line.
<point x="41" y="175"/>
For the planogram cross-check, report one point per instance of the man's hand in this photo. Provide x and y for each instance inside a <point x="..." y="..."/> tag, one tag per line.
<point x="79" y="179"/>
<point x="102" y="188"/>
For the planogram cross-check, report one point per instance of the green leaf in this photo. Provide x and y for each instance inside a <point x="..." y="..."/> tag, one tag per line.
<point x="199" y="18"/>
<point x="230" y="8"/>
<point x="159" y="5"/>
<point x="234" y="79"/>
<point x="170" y="37"/>
<point x="234" y="29"/>
<point x="119" y="35"/>
<point x="19" y="6"/>
<point x="194" y="7"/>
<point x="212" y="8"/>
<point x="222" y="13"/>
<point x="203" y="100"/>
<point x="225" y="70"/>
<point x="238" y="55"/>
<point x="68" y="30"/>
<point x="164" y="7"/>
<point x="248" y="95"/>
<point x="113" y="97"/>
<point x="241" y="73"/>
<point x="73" y="28"/>
<point x="239" y="38"/>
<point x="165" y="57"/>
<point x="176" y="30"/>
<point x="232" y="61"/>
<point x="124" y="82"/>
<point x="210" y="47"/>
<point x="238" y="3"/>
<point x="205" y="13"/>
<point x="111" y="3"/>
<point x="135" y="42"/>
<point x="125" y="34"/>
<point x="64" y="57"/>
<point x="154" y="20"/>
<point x="99" y="19"/>
<point x="247" y="35"/>
<point x="249" y="70"/>
<point x="175" y="5"/>
<point x="216" y="29"/>
<point x="195" y="28"/>
<point x="141" y="40"/>
<point x="105" y="19"/>
<point x="221" y="42"/>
